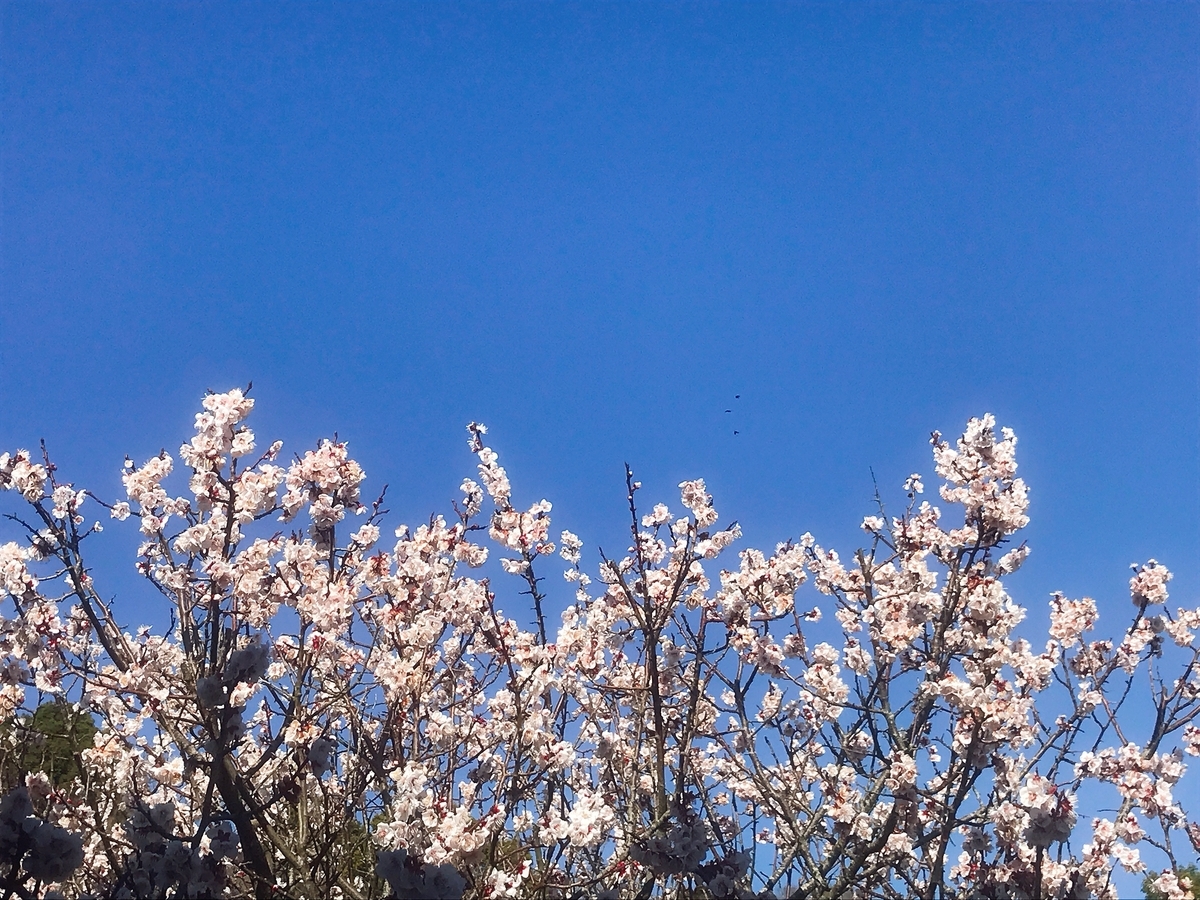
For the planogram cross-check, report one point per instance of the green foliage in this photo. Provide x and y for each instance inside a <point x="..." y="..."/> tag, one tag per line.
<point x="48" y="741"/>
<point x="342" y="844"/>
<point x="1189" y="875"/>
<point x="355" y="852"/>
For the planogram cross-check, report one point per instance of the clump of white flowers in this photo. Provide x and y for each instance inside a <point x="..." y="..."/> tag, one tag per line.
<point x="47" y="852"/>
<point x="409" y="879"/>
<point x="695" y="724"/>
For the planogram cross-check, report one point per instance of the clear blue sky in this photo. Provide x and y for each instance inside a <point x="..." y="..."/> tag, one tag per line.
<point x="590" y="226"/>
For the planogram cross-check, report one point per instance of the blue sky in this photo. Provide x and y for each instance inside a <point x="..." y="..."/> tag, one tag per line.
<point x="591" y="226"/>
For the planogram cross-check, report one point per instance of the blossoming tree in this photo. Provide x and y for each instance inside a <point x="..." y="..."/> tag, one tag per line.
<point x="327" y="718"/>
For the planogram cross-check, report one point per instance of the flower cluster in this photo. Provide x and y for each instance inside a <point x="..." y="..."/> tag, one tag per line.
<point x="329" y="713"/>
<point x="46" y="852"/>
